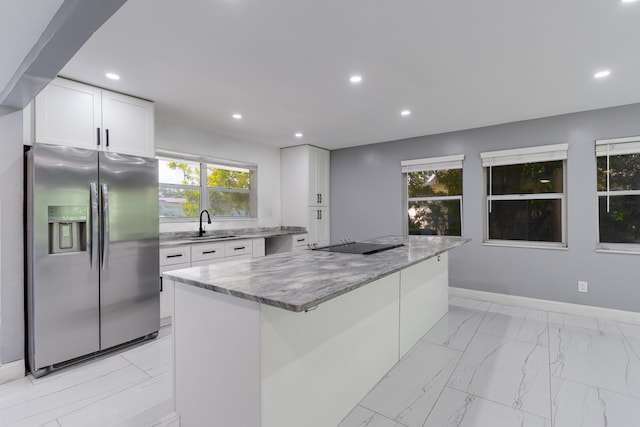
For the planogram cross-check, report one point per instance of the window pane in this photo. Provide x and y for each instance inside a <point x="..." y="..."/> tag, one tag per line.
<point x="228" y="177"/>
<point x="625" y="172"/>
<point x="223" y="203"/>
<point x="178" y="172"/>
<point x="527" y="178"/>
<point x="176" y="202"/>
<point x="435" y="183"/>
<point x="441" y="218"/>
<point x="532" y="220"/>
<point x="622" y="223"/>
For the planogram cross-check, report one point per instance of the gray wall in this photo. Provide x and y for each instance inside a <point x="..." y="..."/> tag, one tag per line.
<point x="366" y="201"/>
<point x="11" y="239"/>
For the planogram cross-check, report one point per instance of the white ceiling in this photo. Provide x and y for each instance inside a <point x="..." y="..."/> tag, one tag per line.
<point x="285" y="64"/>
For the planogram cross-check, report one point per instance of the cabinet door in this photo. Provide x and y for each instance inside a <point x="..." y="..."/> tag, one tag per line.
<point x="323" y="227"/>
<point x="314" y="195"/>
<point x="166" y="293"/>
<point x="322" y="177"/>
<point x="318" y="176"/>
<point x="128" y="124"/>
<point x="68" y="113"/>
<point x="318" y="228"/>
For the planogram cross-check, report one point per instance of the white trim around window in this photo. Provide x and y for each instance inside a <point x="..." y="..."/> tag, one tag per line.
<point x="544" y="153"/>
<point x="608" y="148"/>
<point x="432" y="163"/>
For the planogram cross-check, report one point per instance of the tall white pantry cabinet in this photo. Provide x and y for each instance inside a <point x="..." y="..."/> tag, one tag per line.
<point x="305" y="190"/>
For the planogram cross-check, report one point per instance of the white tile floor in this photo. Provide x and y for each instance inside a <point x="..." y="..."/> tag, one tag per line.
<point x="490" y="365"/>
<point x="482" y="365"/>
<point x="132" y="388"/>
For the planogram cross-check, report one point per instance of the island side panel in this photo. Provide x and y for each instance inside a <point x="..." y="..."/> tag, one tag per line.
<point x="424" y="299"/>
<point x="317" y="366"/>
<point x="217" y="358"/>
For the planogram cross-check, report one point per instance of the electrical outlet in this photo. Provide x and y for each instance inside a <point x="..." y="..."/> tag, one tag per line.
<point x="583" y="286"/>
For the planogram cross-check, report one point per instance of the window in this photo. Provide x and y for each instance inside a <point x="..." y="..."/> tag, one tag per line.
<point x="189" y="184"/>
<point x="434" y="195"/>
<point x="525" y="194"/>
<point x="618" y="185"/>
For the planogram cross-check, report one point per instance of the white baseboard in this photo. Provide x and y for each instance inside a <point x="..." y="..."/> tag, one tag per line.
<point x="548" y="305"/>
<point x="169" y="420"/>
<point x="12" y="371"/>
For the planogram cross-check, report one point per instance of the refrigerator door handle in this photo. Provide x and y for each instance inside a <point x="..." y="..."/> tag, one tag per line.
<point x="93" y="245"/>
<point x="105" y="226"/>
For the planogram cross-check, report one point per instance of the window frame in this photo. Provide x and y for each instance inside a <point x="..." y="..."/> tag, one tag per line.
<point x="537" y="154"/>
<point x="607" y="148"/>
<point x="431" y="164"/>
<point x="204" y="188"/>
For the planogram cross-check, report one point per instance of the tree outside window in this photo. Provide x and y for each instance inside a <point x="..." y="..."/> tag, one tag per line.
<point x="435" y="202"/>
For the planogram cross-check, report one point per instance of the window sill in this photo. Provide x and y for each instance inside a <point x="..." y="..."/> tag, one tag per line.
<point x="627" y="249"/>
<point x="513" y="244"/>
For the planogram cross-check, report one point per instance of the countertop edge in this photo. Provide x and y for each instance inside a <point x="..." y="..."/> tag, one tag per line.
<point x="314" y="303"/>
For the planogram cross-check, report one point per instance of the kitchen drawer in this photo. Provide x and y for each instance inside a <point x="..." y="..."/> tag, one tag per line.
<point x="238" y="247"/>
<point x="175" y="255"/>
<point x="207" y="251"/>
<point x="237" y="257"/>
<point x="299" y="242"/>
<point x="208" y="262"/>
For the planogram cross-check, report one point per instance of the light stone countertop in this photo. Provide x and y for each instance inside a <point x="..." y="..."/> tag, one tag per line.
<point x="190" y="237"/>
<point x="299" y="281"/>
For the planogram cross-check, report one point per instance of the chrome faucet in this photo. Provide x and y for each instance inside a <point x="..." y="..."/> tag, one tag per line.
<point x="201" y="231"/>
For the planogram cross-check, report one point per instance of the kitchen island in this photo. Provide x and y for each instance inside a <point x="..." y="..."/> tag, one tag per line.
<point x="298" y="339"/>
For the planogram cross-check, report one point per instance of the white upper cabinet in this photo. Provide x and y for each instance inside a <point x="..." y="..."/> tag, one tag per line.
<point x="305" y="191"/>
<point x="318" y="176"/>
<point x="78" y="115"/>
<point x="68" y="113"/>
<point x="128" y="124"/>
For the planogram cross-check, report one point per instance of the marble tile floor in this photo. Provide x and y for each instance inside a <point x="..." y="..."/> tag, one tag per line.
<point x="491" y="365"/>
<point x="130" y="388"/>
<point x="481" y="365"/>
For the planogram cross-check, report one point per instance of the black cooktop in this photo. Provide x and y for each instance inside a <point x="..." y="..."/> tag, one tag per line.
<point x="359" y="248"/>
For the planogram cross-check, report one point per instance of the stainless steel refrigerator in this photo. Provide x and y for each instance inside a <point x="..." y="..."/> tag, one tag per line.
<point x="92" y="253"/>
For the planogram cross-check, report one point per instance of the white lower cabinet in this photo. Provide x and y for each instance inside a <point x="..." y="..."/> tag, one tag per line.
<point x="318" y="225"/>
<point x="198" y="255"/>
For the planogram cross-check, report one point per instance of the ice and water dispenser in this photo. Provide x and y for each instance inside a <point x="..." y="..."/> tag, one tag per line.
<point x="67" y="229"/>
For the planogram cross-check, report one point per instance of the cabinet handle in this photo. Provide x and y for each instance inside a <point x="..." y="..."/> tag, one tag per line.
<point x="160" y="283"/>
<point x="239" y="248"/>
<point x="301" y="240"/>
<point x="106" y="131"/>
<point x="319" y="215"/>
<point x="320" y="198"/>
<point x="174" y="256"/>
<point x="98" y="133"/>
<point x="208" y="252"/>
<point x="317" y="197"/>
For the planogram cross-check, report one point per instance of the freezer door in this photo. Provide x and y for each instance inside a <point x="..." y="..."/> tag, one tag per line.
<point x="129" y="272"/>
<point x="62" y="282"/>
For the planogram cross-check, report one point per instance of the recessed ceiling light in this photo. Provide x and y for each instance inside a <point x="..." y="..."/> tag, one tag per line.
<point x="112" y="76"/>
<point x="405" y="112"/>
<point x="602" y="74"/>
<point x="355" y="79"/>
<point x="237" y="116"/>
<point x="298" y="135"/>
